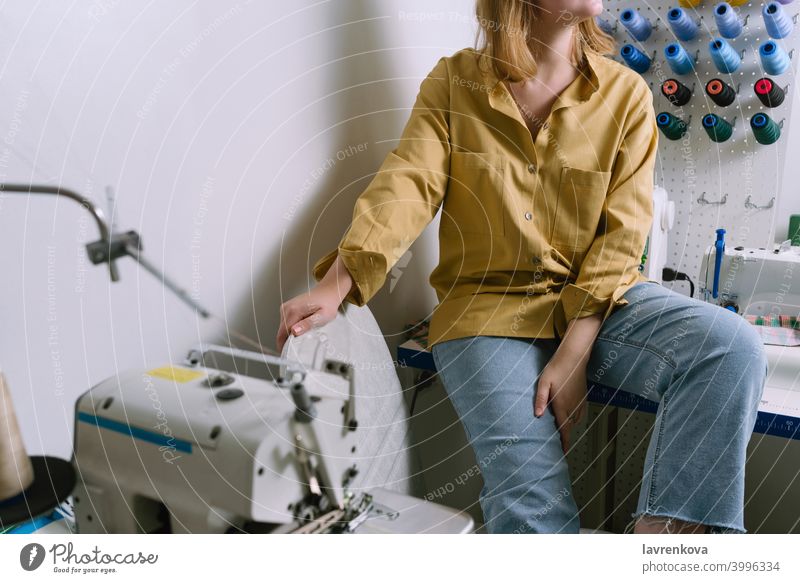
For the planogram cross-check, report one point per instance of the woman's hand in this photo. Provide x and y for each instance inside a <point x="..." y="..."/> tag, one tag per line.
<point x="562" y="383"/>
<point x="316" y="307"/>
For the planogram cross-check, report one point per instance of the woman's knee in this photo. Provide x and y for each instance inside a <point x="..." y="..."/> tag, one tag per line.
<point x="742" y="340"/>
<point x="717" y="328"/>
<point x="529" y="474"/>
<point x="725" y="337"/>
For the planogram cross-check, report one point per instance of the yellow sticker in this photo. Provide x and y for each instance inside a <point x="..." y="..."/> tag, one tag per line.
<point x="176" y="373"/>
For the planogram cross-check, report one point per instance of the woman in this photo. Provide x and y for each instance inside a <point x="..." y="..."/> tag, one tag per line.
<point x="540" y="153"/>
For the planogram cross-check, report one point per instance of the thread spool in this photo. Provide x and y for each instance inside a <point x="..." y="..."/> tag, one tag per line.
<point x="16" y="470"/>
<point x="635" y="58"/>
<point x="671" y="126"/>
<point x="728" y="21"/>
<point x="676" y="92"/>
<point x="774" y="59"/>
<point x="678" y="59"/>
<point x="636" y="24"/>
<point x="765" y="129"/>
<point x="718" y="129"/>
<point x="769" y="93"/>
<point x="794" y="229"/>
<point x="684" y="27"/>
<point x="776" y="21"/>
<point x="725" y="57"/>
<point x="720" y="92"/>
<point x="741" y="2"/>
<point x="605" y="25"/>
<point x="690" y="3"/>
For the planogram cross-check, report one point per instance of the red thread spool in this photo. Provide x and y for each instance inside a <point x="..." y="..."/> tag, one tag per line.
<point x="769" y="93"/>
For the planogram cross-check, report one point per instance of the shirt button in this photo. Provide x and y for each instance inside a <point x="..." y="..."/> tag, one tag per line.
<point x="531" y="168"/>
<point x="528" y="216"/>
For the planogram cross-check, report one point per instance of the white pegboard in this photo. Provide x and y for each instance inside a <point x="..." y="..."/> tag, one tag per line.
<point x="694" y="165"/>
<point x="590" y="461"/>
<point x="631" y="437"/>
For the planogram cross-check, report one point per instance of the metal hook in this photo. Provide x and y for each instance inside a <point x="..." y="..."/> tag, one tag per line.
<point x="703" y="200"/>
<point x="750" y="205"/>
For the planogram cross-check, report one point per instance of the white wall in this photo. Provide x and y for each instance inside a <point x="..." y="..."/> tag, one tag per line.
<point x="211" y="121"/>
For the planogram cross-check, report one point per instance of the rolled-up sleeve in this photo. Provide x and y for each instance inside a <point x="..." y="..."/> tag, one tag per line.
<point x="611" y="264"/>
<point x="403" y="197"/>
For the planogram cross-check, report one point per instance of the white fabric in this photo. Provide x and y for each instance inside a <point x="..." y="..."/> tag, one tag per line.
<point x="382" y="451"/>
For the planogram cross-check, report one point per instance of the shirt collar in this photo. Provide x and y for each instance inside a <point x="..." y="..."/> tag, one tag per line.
<point x="579" y="91"/>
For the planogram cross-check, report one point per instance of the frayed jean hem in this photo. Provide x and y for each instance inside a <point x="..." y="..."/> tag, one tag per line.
<point x="669" y="516"/>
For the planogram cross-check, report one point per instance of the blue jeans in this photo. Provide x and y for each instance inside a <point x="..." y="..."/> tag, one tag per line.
<point x="705" y="366"/>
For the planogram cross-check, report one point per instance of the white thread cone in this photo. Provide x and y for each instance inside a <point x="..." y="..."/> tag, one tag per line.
<point x="16" y="471"/>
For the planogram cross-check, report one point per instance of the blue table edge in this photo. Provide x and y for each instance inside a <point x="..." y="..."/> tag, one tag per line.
<point x="766" y="423"/>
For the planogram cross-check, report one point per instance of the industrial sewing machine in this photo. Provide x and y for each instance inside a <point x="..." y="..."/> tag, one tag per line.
<point x="229" y="440"/>
<point x="760" y="285"/>
<point x="752" y="282"/>
<point x="233" y="440"/>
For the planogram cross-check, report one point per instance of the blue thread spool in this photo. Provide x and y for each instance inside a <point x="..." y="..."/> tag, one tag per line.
<point x="682" y="24"/>
<point x="605" y="25"/>
<point x="725" y="57"/>
<point x="635" y="58"/>
<point x="777" y="22"/>
<point x="638" y="26"/>
<point x="728" y="22"/>
<point x="678" y="59"/>
<point x="774" y="59"/>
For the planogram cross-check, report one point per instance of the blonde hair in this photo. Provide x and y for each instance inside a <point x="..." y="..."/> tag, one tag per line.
<point x="505" y="32"/>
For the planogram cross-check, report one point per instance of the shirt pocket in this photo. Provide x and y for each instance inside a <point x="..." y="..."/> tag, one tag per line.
<point x="474" y="201"/>
<point x="581" y="195"/>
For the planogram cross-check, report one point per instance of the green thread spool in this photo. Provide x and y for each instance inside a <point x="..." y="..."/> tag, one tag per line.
<point x="717" y="128"/>
<point x="765" y="129"/>
<point x="672" y="127"/>
<point x="794" y="229"/>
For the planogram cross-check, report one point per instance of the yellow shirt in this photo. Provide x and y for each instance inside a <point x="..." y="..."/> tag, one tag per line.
<point x="532" y="233"/>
